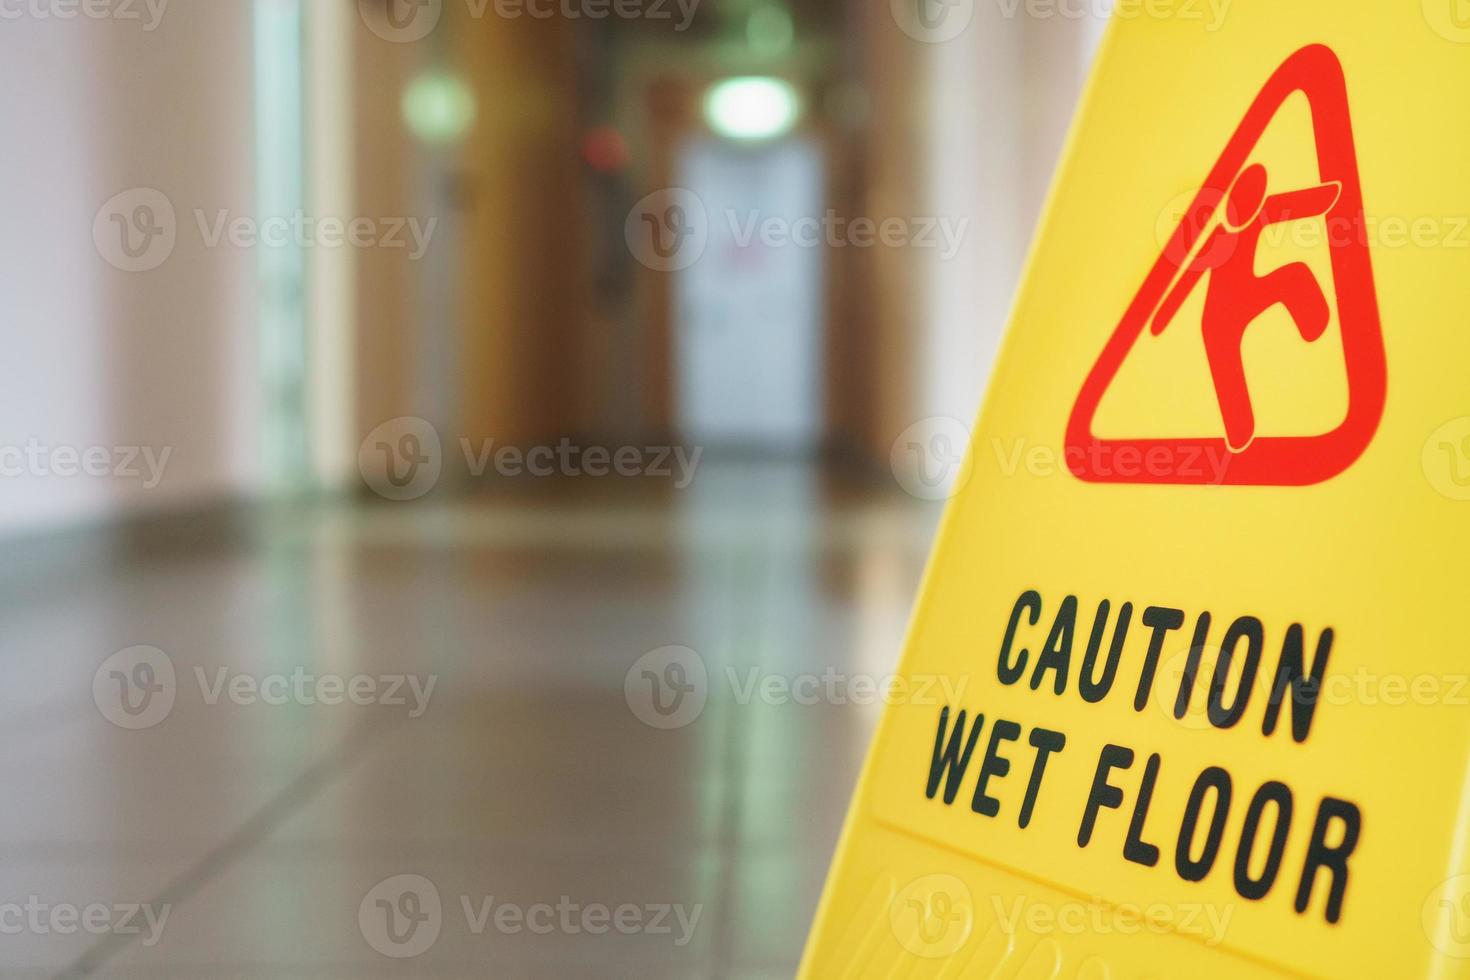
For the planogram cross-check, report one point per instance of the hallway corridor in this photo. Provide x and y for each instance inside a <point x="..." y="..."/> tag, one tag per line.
<point x="503" y="760"/>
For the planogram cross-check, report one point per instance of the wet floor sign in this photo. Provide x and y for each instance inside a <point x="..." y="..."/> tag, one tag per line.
<point x="1200" y="609"/>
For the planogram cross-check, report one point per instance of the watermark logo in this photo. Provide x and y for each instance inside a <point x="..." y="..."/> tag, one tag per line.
<point x="145" y="464"/>
<point x="668" y="235"/>
<point x="667" y="230"/>
<point x="402" y="458"/>
<point x="1450" y="19"/>
<point x="136" y="230"/>
<point x="1201" y="688"/>
<point x="837" y="688"/>
<point x="401" y="21"/>
<point x="1183" y="702"/>
<point x="1445" y="916"/>
<point x="932" y="21"/>
<point x="572" y="918"/>
<point x="667" y="688"/>
<point x="1210" y="14"/>
<point x="933" y="916"/>
<point x="307" y="689"/>
<point x="1203" y="465"/>
<point x="401" y="917"/>
<point x="1174" y="214"/>
<point x="833" y="230"/>
<point x="1376" y="231"/>
<point x="1026" y="916"/>
<point x="299" y="229"/>
<point x="135" y="688"/>
<point x="407" y="21"/>
<point x="664" y="10"/>
<point x="929" y="460"/>
<point x="149" y="13"/>
<point x="41" y="918"/>
<point x="568" y="459"/>
<point x="1446" y="459"/>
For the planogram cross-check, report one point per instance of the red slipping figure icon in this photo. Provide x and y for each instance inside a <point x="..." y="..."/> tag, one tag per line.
<point x="1236" y="296"/>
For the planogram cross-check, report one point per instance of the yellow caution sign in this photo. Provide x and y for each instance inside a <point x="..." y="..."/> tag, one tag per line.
<point x="1201" y="607"/>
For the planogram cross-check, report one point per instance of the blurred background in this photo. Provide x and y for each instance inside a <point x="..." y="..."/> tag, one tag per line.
<point x="466" y="464"/>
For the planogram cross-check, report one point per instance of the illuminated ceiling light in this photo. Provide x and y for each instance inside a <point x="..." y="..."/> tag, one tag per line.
<point x="769" y="31"/>
<point x="438" y="107"/>
<point x="752" y="108"/>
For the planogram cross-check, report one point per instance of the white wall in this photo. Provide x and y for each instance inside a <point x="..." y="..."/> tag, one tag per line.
<point x="1000" y="99"/>
<point x="99" y="357"/>
<point x="974" y="156"/>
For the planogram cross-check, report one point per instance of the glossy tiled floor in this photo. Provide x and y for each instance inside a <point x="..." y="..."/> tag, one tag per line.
<point x="558" y="834"/>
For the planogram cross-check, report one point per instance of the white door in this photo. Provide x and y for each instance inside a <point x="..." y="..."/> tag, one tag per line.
<point x="748" y="313"/>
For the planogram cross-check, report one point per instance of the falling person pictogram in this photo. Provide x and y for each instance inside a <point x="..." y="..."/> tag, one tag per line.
<point x="1236" y="296"/>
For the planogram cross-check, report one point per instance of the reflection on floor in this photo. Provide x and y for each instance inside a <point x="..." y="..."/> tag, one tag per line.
<point x="204" y="809"/>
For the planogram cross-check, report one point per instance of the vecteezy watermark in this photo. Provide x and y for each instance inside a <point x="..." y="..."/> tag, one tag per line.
<point x="1210" y="14"/>
<point x="669" y="687"/>
<point x="1445" y="916"/>
<point x="836" y="687"/>
<point x="137" y="230"/>
<point x="1030" y="916"/>
<point x="932" y="21"/>
<point x="1450" y="19"/>
<point x="401" y="21"/>
<point x="833" y="230"/>
<point x="933" y="916"/>
<point x="406" y="21"/>
<point x="670" y="230"/>
<point x="37" y="459"/>
<point x="1446" y="459"/>
<point x="403" y="916"/>
<point x="36" y="917"/>
<point x="1019" y="455"/>
<point x="929" y="458"/>
<point x="403" y="459"/>
<point x="1197" y="686"/>
<point x="137" y="688"/>
<point x="1376" y="231"/>
<point x="678" y="12"/>
<point x="303" y="230"/>
<point x="569" y="459"/>
<point x="667" y="230"/>
<point x="302" y="687"/>
<point x="1189" y="668"/>
<point x="148" y="13"/>
<point x="937" y="21"/>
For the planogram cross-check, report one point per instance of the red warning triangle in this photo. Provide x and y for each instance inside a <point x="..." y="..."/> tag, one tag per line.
<point x="1218" y="255"/>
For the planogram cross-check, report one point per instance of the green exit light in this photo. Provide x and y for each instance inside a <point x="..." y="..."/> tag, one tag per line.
<point x="438" y="107"/>
<point x="752" y="108"/>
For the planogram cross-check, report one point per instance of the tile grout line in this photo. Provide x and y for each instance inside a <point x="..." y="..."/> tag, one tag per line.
<point x="253" y="831"/>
